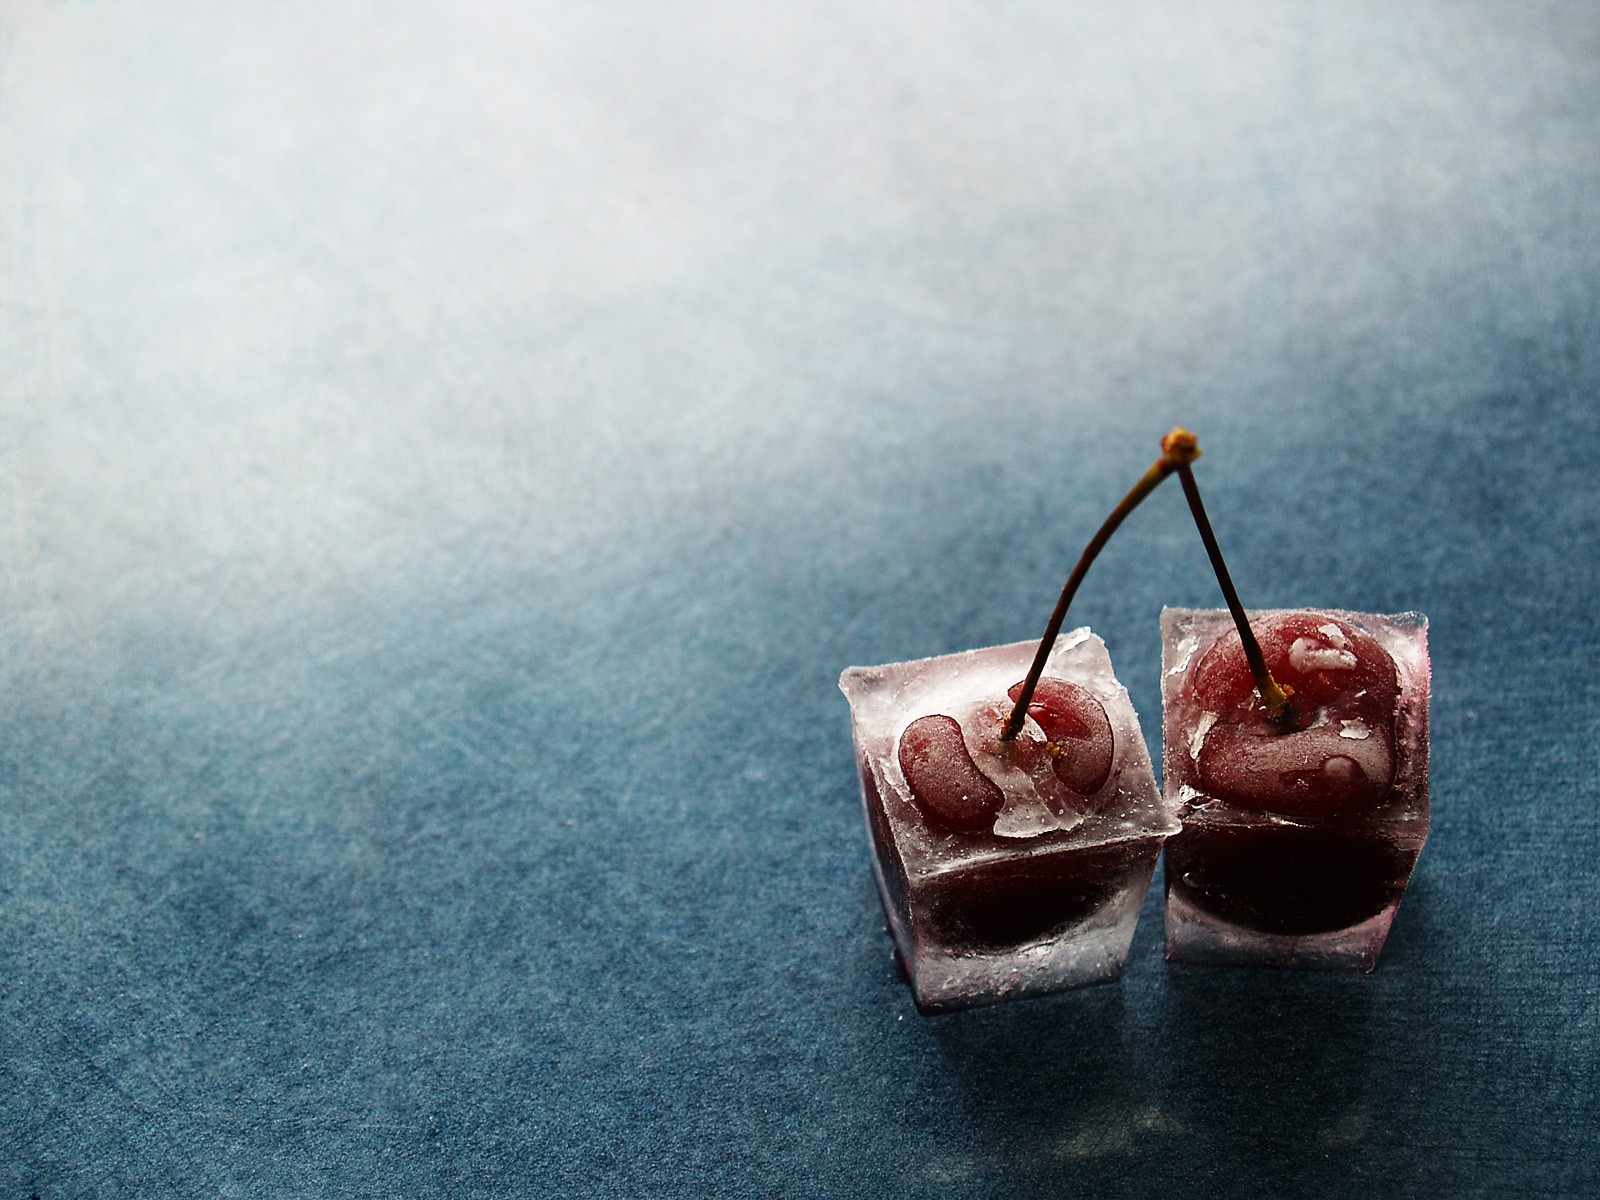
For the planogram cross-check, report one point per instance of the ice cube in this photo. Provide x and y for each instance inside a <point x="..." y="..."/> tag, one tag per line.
<point x="1036" y="885"/>
<point x="1298" y="837"/>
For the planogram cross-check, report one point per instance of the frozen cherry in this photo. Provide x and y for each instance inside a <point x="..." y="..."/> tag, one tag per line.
<point x="1332" y="752"/>
<point x="944" y="780"/>
<point x="1324" y="660"/>
<point x="1079" y="732"/>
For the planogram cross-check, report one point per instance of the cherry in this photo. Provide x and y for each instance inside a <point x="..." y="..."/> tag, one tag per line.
<point x="960" y="792"/>
<point x="1079" y="733"/>
<point x="1332" y="751"/>
<point x="1324" y="660"/>
<point x="944" y="781"/>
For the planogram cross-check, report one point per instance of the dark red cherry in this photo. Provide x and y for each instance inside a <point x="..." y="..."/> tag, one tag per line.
<point x="1077" y="726"/>
<point x="944" y="781"/>
<point x="1336" y="757"/>
<point x="1309" y="773"/>
<point x="1325" y="660"/>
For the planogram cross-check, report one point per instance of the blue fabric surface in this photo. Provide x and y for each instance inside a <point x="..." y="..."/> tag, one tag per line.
<point x="448" y="453"/>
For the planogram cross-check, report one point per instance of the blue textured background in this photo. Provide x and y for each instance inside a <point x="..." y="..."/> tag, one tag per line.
<point x="448" y="452"/>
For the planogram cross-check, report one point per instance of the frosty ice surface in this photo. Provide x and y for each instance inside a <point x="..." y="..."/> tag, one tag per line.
<point x="1006" y="870"/>
<point x="1297" y="842"/>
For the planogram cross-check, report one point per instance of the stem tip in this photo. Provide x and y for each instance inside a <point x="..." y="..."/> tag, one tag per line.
<point x="1180" y="447"/>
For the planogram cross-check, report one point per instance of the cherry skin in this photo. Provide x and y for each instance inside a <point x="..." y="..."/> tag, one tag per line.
<point x="1325" y="660"/>
<point x="1333" y="754"/>
<point x="962" y="793"/>
<point x="1078" y="729"/>
<point x="944" y="780"/>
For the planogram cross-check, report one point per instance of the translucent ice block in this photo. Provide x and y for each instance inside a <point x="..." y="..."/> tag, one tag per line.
<point x="1298" y="840"/>
<point x="1006" y="870"/>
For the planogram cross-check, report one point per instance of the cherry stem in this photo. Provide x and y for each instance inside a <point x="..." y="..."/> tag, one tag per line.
<point x="1275" y="697"/>
<point x="1178" y="449"/>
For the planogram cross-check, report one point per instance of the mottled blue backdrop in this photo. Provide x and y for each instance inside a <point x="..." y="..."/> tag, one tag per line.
<point x="449" y="451"/>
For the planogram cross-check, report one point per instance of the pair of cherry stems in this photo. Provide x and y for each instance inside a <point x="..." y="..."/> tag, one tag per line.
<point x="1179" y="449"/>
